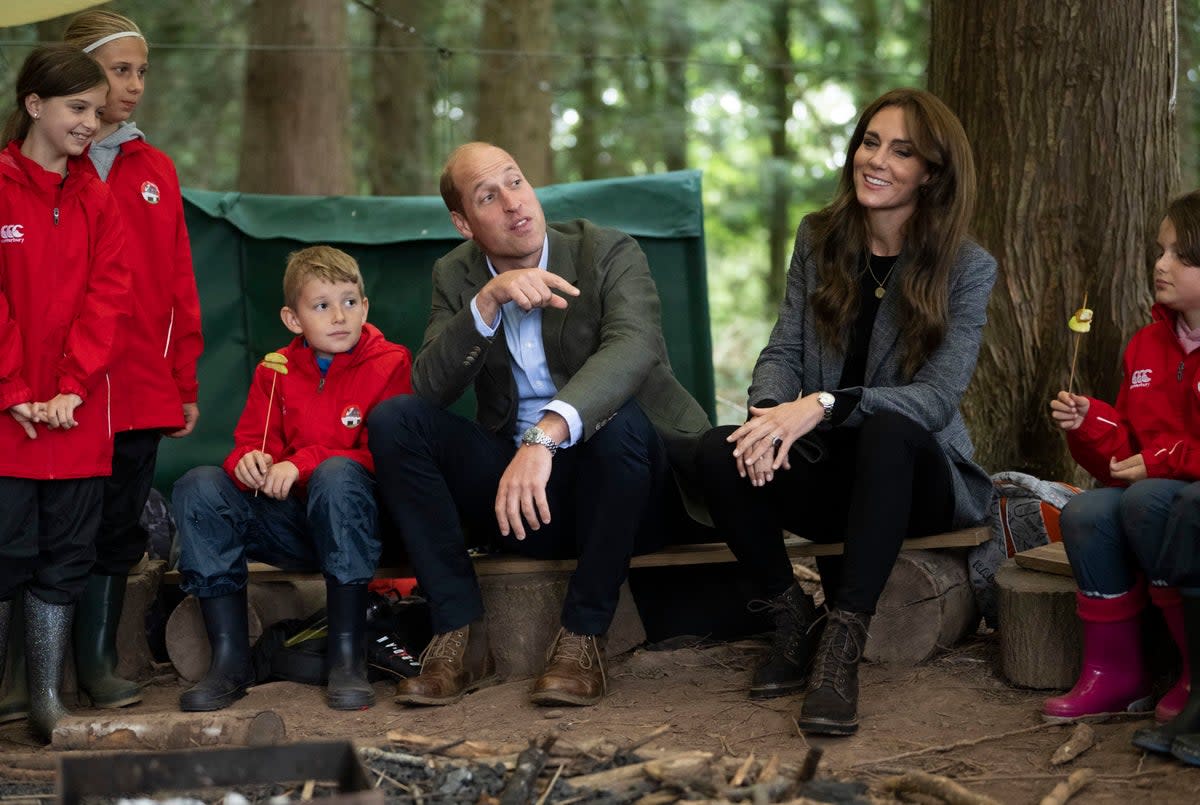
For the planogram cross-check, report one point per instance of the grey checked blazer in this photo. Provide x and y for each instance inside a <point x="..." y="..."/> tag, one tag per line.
<point x="796" y="362"/>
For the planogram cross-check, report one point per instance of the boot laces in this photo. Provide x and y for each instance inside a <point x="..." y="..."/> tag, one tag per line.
<point x="580" y="650"/>
<point x="839" y="653"/>
<point x="790" y="631"/>
<point x="447" y="646"/>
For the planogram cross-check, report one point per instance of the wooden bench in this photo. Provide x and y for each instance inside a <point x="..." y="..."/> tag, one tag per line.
<point x="927" y="603"/>
<point x="669" y="556"/>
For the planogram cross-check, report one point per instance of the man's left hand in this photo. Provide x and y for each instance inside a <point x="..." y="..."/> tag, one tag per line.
<point x="521" y="496"/>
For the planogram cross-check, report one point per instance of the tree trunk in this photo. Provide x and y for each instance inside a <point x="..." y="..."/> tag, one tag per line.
<point x="402" y="119"/>
<point x="779" y="81"/>
<point x="515" y="83"/>
<point x="294" y="137"/>
<point x="677" y="49"/>
<point x="1070" y="112"/>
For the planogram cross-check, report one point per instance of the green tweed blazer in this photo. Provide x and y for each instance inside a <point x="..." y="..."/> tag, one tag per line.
<point x="605" y="348"/>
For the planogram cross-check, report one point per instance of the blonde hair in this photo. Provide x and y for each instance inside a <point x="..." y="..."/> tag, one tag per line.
<point x="89" y="27"/>
<point x="319" y="262"/>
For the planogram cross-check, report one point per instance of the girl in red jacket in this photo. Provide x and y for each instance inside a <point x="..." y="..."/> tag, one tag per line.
<point x="63" y="297"/>
<point x="1145" y="452"/>
<point x="154" y="375"/>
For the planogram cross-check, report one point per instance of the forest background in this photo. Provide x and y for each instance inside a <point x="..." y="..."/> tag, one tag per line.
<point x="367" y="97"/>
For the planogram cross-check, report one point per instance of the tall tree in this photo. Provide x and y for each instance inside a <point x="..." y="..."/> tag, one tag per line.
<point x="294" y="136"/>
<point x="780" y="76"/>
<point x="1071" y="118"/>
<point x="514" y="83"/>
<point x="401" y="118"/>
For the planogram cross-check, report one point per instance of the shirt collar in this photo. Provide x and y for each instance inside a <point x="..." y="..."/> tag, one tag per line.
<point x="545" y="261"/>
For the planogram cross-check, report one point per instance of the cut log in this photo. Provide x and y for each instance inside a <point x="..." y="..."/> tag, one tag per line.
<point x="134" y="659"/>
<point x="527" y="609"/>
<point x="1040" y="636"/>
<point x="926" y="604"/>
<point x="132" y="730"/>
<point x="187" y="642"/>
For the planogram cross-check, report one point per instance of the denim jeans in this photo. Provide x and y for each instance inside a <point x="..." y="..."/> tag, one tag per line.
<point x="1111" y="533"/>
<point x="222" y="527"/>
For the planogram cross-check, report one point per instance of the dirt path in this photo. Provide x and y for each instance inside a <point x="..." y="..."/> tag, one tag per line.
<point x="700" y="693"/>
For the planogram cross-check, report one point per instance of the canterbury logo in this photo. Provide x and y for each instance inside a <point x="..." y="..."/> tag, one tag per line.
<point x="1140" y="378"/>
<point x="12" y="233"/>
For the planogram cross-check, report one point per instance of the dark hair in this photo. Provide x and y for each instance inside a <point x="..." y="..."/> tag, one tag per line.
<point x="933" y="234"/>
<point x="1184" y="213"/>
<point x="50" y="71"/>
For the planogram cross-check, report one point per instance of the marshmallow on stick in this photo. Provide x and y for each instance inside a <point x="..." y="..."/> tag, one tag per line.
<point x="1079" y="323"/>
<point x="278" y="364"/>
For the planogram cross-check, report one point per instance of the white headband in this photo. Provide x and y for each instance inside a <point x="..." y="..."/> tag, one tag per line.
<point x="109" y="38"/>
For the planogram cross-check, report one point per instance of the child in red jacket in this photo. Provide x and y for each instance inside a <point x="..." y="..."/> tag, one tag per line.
<point x="63" y="298"/>
<point x="154" y="374"/>
<point x="298" y="490"/>
<point x="1145" y="451"/>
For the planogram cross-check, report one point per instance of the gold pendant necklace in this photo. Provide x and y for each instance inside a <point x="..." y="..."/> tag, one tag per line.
<point x="880" y="290"/>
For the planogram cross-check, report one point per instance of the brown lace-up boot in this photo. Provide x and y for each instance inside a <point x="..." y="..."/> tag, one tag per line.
<point x="453" y="664"/>
<point x="574" y="671"/>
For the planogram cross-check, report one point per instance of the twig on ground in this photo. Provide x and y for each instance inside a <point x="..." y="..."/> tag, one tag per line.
<point x="1081" y="740"/>
<point x="657" y="732"/>
<point x="956" y="745"/>
<point x="403" y="758"/>
<point x="769" y="771"/>
<point x="739" y="776"/>
<point x="1069" y="787"/>
<point x="808" y="769"/>
<point x="945" y="789"/>
<point x="550" y="787"/>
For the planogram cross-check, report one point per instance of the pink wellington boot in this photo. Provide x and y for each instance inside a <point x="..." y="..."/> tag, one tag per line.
<point x="1167" y="599"/>
<point x="1112" y="678"/>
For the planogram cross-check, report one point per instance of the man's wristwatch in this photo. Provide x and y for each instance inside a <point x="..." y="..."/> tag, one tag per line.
<point x="535" y="435"/>
<point x="827" y="401"/>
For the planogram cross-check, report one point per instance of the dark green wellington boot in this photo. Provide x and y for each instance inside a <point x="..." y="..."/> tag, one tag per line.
<point x="47" y="631"/>
<point x="95" y="642"/>
<point x="15" y="704"/>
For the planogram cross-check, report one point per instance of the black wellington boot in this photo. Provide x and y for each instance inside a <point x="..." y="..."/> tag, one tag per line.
<point x="95" y="643"/>
<point x="346" y="647"/>
<point x="792" y="645"/>
<point x="15" y="704"/>
<point x="47" y="632"/>
<point x="1162" y="738"/>
<point x="230" y="671"/>
<point x="831" y="706"/>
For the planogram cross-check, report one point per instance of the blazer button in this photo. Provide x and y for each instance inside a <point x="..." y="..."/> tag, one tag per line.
<point x="474" y="352"/>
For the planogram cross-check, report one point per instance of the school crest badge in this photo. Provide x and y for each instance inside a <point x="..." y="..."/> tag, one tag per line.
<point x="352" y="416"/>
<point x="150" y="192"/>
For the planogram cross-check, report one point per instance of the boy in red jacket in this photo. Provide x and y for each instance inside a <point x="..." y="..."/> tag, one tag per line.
<point x="298" y="490"/>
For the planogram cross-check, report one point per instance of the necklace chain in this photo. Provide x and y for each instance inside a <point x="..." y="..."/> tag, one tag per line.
<point x="880" y="290"/>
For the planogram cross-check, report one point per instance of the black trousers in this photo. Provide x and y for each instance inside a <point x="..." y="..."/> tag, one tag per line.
<point x="48" y="536"/>
<point x="438" y="473"/>
<point x="122" y="540"/>
<point x="877" y="485"/>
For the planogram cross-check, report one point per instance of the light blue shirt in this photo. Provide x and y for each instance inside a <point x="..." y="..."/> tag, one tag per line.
<point x="535" y="387"/>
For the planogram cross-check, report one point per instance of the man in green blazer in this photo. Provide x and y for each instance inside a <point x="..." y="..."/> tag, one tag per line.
<point x="579" y="423"/>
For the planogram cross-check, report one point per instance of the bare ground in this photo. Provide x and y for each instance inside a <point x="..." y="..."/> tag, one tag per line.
<point x="953" y="716"/>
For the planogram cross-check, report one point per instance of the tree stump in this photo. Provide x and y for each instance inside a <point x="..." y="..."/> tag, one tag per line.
<point x="134" y="659"/>
<point x="526" y="608"/>
<point x="275" y="601"/>
<point x="1040" y="635"/>
<point x="926" y="604"/>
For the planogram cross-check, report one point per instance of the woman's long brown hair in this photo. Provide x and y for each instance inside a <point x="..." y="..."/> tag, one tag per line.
<point x="933" y="234"/>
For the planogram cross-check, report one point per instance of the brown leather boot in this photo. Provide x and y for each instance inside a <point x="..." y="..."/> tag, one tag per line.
<point x="452" y="665"/>
<point x="574" y="671"/>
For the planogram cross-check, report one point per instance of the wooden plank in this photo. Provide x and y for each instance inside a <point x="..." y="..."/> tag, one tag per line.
<point x="1051" y="558"/>
<point x="670" y="556"/>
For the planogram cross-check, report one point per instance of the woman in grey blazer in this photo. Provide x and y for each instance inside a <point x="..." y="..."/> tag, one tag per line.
<point x="854" y="431"/>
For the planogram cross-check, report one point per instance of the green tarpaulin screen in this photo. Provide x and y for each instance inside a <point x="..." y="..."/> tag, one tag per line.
<point x="240" y="244"/>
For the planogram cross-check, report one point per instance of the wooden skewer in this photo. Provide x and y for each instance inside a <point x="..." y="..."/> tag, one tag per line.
<point x="267" y="423"/>
<point x="1075" y="353"/>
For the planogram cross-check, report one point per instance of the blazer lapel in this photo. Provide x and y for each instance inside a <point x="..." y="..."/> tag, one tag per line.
<point x="561" y="262"/>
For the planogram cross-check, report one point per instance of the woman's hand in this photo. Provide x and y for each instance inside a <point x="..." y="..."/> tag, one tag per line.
<point x="1069" y="410"/>
<point x="762" y="443"/>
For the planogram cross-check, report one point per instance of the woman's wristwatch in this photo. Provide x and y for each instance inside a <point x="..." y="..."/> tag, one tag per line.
<point x="827" y="402"/>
